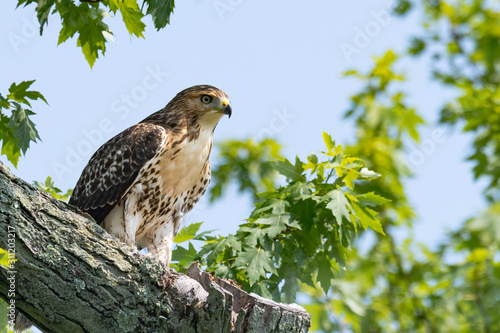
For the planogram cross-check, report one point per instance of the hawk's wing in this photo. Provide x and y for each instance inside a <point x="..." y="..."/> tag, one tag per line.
<point x="114" y="168"/>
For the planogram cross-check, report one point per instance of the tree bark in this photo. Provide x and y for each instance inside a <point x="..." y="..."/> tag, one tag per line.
<point x="72" y="276"/>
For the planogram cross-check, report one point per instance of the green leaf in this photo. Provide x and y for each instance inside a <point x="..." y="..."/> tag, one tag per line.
<point x="417" y="46"/>
<point x="337" y="150"/>
<point x="25" y="130"/>
<point x="255" y="235"/>
<point x="202" y="236"/>
<point x="264" y="288"/>
<point x="312" y="162"/>
<point x="50" y="188"/>
<point x="10" y="148"/>
<point x="371" y="199"/>
<point x="349" y="162"/>
<point x="19" y="93"/>
<point x="187" y="232"/>
<point x="326" y="271"/>
<point x="223" y="271"/>
<point x="256" y="262"/>
<point x="338" y="205"/>
<point x="184" y="256"/>
<point x="269" y="205"/>
<point x="277" y="223"/>
<point x="291" y="286"/>
<point x="4" y="103"/>
<point x="300" y="189"/>
<point x="131" y="14"/>
<point x="287" y="169"/>
<point x="72" y="17"/>
<point x="410" y="121"/>
<point x="43" y="8"/>
<point x="479" y="255"/>
<point x="91" y="38"/>
<point x="349" y="178"/>
<point x="10" y="143"/>
<point x="367" y="217"/>
<point x="160" y="10"/>
<point x="402" y="7"/>
<point x="330" y="144"/>
<point x="214" y="247"/>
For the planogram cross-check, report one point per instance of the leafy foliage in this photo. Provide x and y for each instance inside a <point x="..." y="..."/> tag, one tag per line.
<point x="462" y="39"/>
<point x="393" y="286"/>
<point x="183" y="257"/>
<point x="364" y="297"/>
<point x="247" y="161"/>
<point x="403" y="286"/>
<point x="410" y="288"/>
<point x="385" y="126"/>
<point x="298" y="233"/>
<point x="17" y="130"/>
<point x="87" y="20"/>
<point x="49" y="187"/>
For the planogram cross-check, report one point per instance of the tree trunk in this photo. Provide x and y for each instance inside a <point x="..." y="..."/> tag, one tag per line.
<point x="72" y="276"/>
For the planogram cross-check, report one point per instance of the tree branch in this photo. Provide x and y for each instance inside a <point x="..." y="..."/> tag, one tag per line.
<point x="72" y="276"/>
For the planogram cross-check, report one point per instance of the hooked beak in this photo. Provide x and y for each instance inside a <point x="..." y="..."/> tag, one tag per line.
<point x="226" y="108"/>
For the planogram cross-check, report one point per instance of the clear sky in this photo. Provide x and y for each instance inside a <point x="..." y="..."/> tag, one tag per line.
<point x="279" y="62"/>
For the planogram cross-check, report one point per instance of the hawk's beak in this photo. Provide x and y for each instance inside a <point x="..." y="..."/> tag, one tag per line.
<point x="227" y="108"/>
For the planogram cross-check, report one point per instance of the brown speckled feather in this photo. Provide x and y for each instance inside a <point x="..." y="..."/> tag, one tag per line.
<point x="114" y="168"/>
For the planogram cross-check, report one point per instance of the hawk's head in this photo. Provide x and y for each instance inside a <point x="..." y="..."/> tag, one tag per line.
<point x="199" y="106"/>
<point x="207" y="103"/>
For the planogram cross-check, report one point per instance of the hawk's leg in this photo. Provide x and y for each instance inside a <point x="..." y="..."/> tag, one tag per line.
<point x="160" y="241"/>
<point x="133" y="217"/>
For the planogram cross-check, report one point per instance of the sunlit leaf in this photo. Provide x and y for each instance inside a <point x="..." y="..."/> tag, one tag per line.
<point x="188" y="232"/>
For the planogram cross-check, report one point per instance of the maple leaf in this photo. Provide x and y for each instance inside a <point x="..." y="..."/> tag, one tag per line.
<point x="188" y="232"/>
<point x="338" y="205"/>
<point x="160" y="11"/>
<point x="256" y="262"/>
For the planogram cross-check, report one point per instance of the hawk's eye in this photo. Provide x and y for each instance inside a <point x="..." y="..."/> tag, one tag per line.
<point x="205" y="99"/>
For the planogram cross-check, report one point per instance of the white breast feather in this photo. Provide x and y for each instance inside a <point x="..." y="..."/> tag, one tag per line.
<point x="181" y="173"/>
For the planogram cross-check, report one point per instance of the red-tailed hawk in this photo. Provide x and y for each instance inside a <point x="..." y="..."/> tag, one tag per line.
<point x="139" y="184"/>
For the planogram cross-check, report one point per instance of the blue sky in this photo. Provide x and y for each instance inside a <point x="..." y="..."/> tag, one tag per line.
<point x="281" y="66"/>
